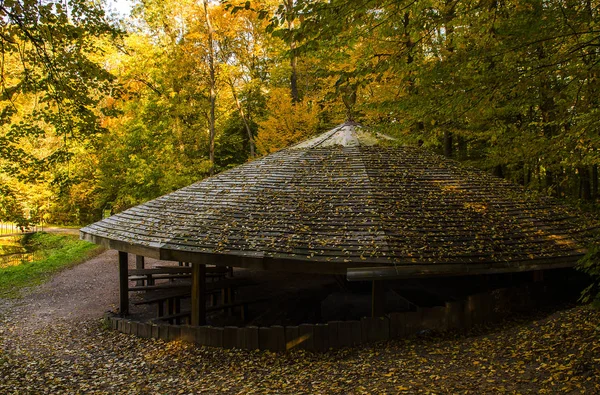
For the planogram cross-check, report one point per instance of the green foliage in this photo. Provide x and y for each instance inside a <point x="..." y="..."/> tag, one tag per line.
<point x="58" y="252"/>
<point x="52" y="96"/>
<point x="590" y="264"/>
<point x="157" y="145"/>
<point x="75" y="159"/>
<point x="512" y="82"/>
<point x="231" y="147"/>
<point x="11" y="209"/>
<point x="511" y="87"/>
<point x="47" y="54"/>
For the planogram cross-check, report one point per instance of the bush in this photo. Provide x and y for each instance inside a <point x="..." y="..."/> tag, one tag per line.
<point x="590" y="264"/>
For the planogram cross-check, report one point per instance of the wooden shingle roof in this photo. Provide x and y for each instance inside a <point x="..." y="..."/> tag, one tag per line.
<point x="344" y="200"/>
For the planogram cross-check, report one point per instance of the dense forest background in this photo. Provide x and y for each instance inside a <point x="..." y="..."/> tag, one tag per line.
<point x="100" y="113"/>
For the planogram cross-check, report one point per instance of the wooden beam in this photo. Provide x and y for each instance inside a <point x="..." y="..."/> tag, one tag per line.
<point x="356" y="271"/>
<point x="377" y="298"/>
<point x="139" y="264"/>
<point x="123" y="284"/>
<point x="453" y="269"/>
<point x="198" y="294"/>
<point x="148" y="251"/>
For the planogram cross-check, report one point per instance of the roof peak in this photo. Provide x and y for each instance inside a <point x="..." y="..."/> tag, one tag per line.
<point x="349" y="134"/>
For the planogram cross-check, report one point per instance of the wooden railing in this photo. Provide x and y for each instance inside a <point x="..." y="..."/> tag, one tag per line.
<point x="9" y="229"/>
<point x="458" y="315"/>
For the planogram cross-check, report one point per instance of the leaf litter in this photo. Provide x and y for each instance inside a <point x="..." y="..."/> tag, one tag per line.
<point x="546" y="354"/>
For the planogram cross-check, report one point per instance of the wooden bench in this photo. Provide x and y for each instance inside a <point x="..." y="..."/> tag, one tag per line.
<point x="177" y="318"/>
<point x="188" y="269"/>
<point x="228" y="269"/>
<point x="146" y="288"/>
<point x="244" y="303"/>
<point x="212" y="272"/>
<point x="169" y="302"/>
<point x="177" y="315"/>
<point x="148" y="277"/>
<point x="161" y="270"/>
<point x="227" y="284"/>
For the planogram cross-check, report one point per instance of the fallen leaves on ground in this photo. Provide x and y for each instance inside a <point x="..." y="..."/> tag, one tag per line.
<point x="559" y="353"/>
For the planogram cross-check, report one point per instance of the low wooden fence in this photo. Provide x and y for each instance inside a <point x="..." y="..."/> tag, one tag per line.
<point x="8" y="229"/>
<point x="460" y="315"/>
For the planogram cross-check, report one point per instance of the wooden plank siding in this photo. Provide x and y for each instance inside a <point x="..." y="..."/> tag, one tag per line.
<point x="475" y="310"/>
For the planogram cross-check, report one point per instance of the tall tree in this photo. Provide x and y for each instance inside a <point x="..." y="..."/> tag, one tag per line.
<point x="290" y="17"/>
<point x="51" y="85"/>
<point x="212" y="82"/>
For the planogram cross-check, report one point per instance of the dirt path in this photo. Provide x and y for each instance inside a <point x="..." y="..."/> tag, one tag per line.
<point x="83" y="292"/>
<point x="59" y="230"/>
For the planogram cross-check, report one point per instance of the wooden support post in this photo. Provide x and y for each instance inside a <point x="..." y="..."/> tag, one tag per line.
<point x="538" y="276"/>
<point x="171" y="306"/>
<point x="177" y="310"/>
<point x="377" y="298"/>
<point x="228" y="297"/>
<point x="139" y="264"/>
<point x="123" y="284"/>
<point x="198" y="294"/>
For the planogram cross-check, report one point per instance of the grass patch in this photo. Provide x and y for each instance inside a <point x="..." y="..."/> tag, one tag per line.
<point x="56" y="252"/>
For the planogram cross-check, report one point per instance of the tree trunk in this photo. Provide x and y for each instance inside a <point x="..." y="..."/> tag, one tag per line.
<point x="243" y="115"/>
<point x="585" y="189"/>
<point x="528" y="175"/>
<point x="448" y="144"/>
<point x="448" y="15"/>
<point x="595" y="181"/>
<point x="289" y="7"/>
<point x="498" y="172"/>
<point x="462" y="148"/>
<point x="213" y="89"/>
<point x="349" y="100"/>
<point x="294" y="76"/>
<point x="550" y="181"/>
<point x="520" y="172"/>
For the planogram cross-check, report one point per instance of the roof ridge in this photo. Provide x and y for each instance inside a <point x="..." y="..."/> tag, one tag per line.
<point x="381" y="228"/>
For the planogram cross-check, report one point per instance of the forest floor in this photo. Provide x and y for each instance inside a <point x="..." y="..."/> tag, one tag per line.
<point x="52" y="341"/>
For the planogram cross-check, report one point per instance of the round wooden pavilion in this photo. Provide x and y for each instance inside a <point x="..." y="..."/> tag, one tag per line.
<point x="347" y="202"/>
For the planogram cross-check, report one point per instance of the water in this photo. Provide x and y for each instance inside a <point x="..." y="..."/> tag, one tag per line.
<point x="14" y="251"/>
<point x="17" y="259"/>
